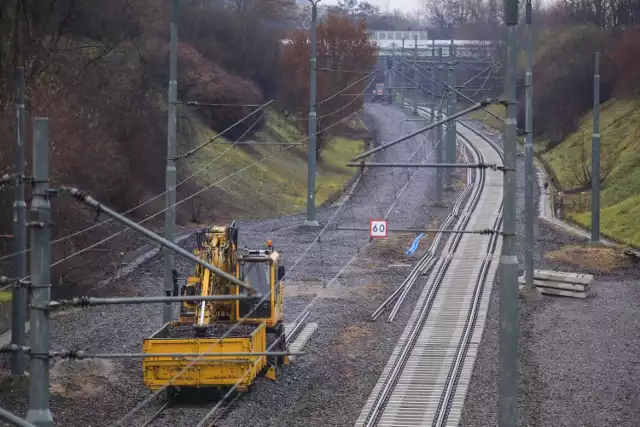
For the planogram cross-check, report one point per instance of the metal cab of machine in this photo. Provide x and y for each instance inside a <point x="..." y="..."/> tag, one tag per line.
<point x="212" y="327"/>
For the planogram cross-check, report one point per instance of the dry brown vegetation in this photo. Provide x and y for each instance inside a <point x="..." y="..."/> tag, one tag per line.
<point x="98" y="70"/>
<point x="604" y="259"/>
<point x="570" y="33"/>
<point x="341" y="46"/>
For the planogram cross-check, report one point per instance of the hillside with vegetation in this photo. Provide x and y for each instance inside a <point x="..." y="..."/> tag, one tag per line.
<point x="568" y="35"/>
<point x="99" y="71"/>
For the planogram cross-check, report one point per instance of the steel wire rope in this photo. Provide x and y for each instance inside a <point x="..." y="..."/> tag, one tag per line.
<point x="267" y="295"/>
<point x="409" y="343"/>
<point x="94" y="245"/>
<point x="204" y="144"/>
<point x="106" y="239"/>
<point x="261" y="107"/>
<point x="443" y="81"/>
<point x="201" y="191"/>
<point x="203" y="420"/>
<point x="348" y="87"/>
<point x="489" y="68"/>
<point x="481" y="87"/>
<point x="210" y="164"/>
<point x="414" y="173"/>
<point x="356" y="97"/>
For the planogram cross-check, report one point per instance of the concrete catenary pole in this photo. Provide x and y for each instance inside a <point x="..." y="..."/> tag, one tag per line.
<point x="416" y="92"/>
<point x="394" y="76"/>
<point x="40" y="223"/>
<point x="595" y="160"/>
<point x="454" y="123"/>
<point x="453" y="105"/>
<point x="19" y="293"/>
<point x="172" y="137"/>
<point x="311" y="132"/>
<point x="439" y="141"/>
<point x="528" y="156"/>
<point x="451" y="130"/>
<point x="387" y="79"/>
<point x="509" y="259"/>
<point x="403" y="82"/>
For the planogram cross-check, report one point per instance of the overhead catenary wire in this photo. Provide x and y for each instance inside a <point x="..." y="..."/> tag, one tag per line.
<point x="157" y="196"/>
<point x="180" y="183"/>
<point x="248" y="315"/>
<point x="220" y="181"/>
<point x="208" y="104"/>
<point x="347" y="104"/>
<point x="346" y="88"/>
<point x="106" y="239"/>
<point x="203" y="420"/>
<point x="201" y="146"/>
<point x="150" y="398"/>
<point x="443" y="81"/>
<point x="433" y="125"/>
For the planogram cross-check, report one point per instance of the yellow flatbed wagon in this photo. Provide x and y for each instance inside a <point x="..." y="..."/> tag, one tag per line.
<point x="208" y="371"/>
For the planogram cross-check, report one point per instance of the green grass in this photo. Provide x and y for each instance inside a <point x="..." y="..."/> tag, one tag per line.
<point x="487" y="118"/>
<point x="620" y="194"/>
<point x="276" y="186"/>
<point x="5" y="296"/>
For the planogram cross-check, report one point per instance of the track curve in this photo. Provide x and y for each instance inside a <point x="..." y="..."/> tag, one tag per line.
<point x="426" y="378"/>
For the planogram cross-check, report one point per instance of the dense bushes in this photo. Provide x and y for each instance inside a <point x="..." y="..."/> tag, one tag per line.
<point x="98" y="70"/>
<point x="563" y="79"/>
<point x="563" y="63"/>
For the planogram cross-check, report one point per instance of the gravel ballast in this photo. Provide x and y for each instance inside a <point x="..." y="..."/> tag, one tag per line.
<point x="350" y="277"/>
<point x="578" y="359"/>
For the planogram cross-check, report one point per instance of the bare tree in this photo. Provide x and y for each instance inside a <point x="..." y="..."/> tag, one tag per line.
<point x="582" y="170"/>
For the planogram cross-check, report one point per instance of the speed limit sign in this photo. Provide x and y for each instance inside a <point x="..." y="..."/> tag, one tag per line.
<point x="378" y="228"/>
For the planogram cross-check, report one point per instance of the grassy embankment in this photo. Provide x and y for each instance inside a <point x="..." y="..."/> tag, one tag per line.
<point x="487" y="118"/>
<point x="276" y="186"/>
<point x="620" y="195"/>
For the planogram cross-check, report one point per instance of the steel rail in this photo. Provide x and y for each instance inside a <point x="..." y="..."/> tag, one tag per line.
<point x="388" y="383"/>
<point x="426" y="262"/>
<point x="215" y="408"/>
<point x="454" y="215"/>
<point x="415" y="328"/>
<point x="142" y="404"/>
<point x="455" y="371"/>
<point x="289" y="337"/>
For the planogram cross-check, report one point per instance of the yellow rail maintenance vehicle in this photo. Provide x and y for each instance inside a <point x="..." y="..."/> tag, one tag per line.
<point x="234" y="329"/>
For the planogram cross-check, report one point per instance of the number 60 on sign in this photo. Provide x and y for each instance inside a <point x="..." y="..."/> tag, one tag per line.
<point x="378" y="228"/>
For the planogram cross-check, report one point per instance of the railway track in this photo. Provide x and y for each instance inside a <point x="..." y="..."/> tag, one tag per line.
<point x="426" y="378"/>
<point x="428" y="260"/>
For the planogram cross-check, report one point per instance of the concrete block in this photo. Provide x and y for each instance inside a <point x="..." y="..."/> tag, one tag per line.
<point x="560" y="292"/>
<point x="576" y="287"/>
<point x="562" y="276"/>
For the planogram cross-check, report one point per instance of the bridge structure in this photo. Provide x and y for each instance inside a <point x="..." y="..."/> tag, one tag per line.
<point x="409" y="60"/>
<point x="389" y="42"/>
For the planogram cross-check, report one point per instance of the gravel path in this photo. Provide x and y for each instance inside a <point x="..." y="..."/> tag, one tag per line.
<point x="579" y="359"/>
<point x="326" y="386"/>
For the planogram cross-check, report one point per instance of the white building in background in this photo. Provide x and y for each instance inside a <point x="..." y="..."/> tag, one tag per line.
<point x="390" y="41"/>
<point x="386" y="39"/>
